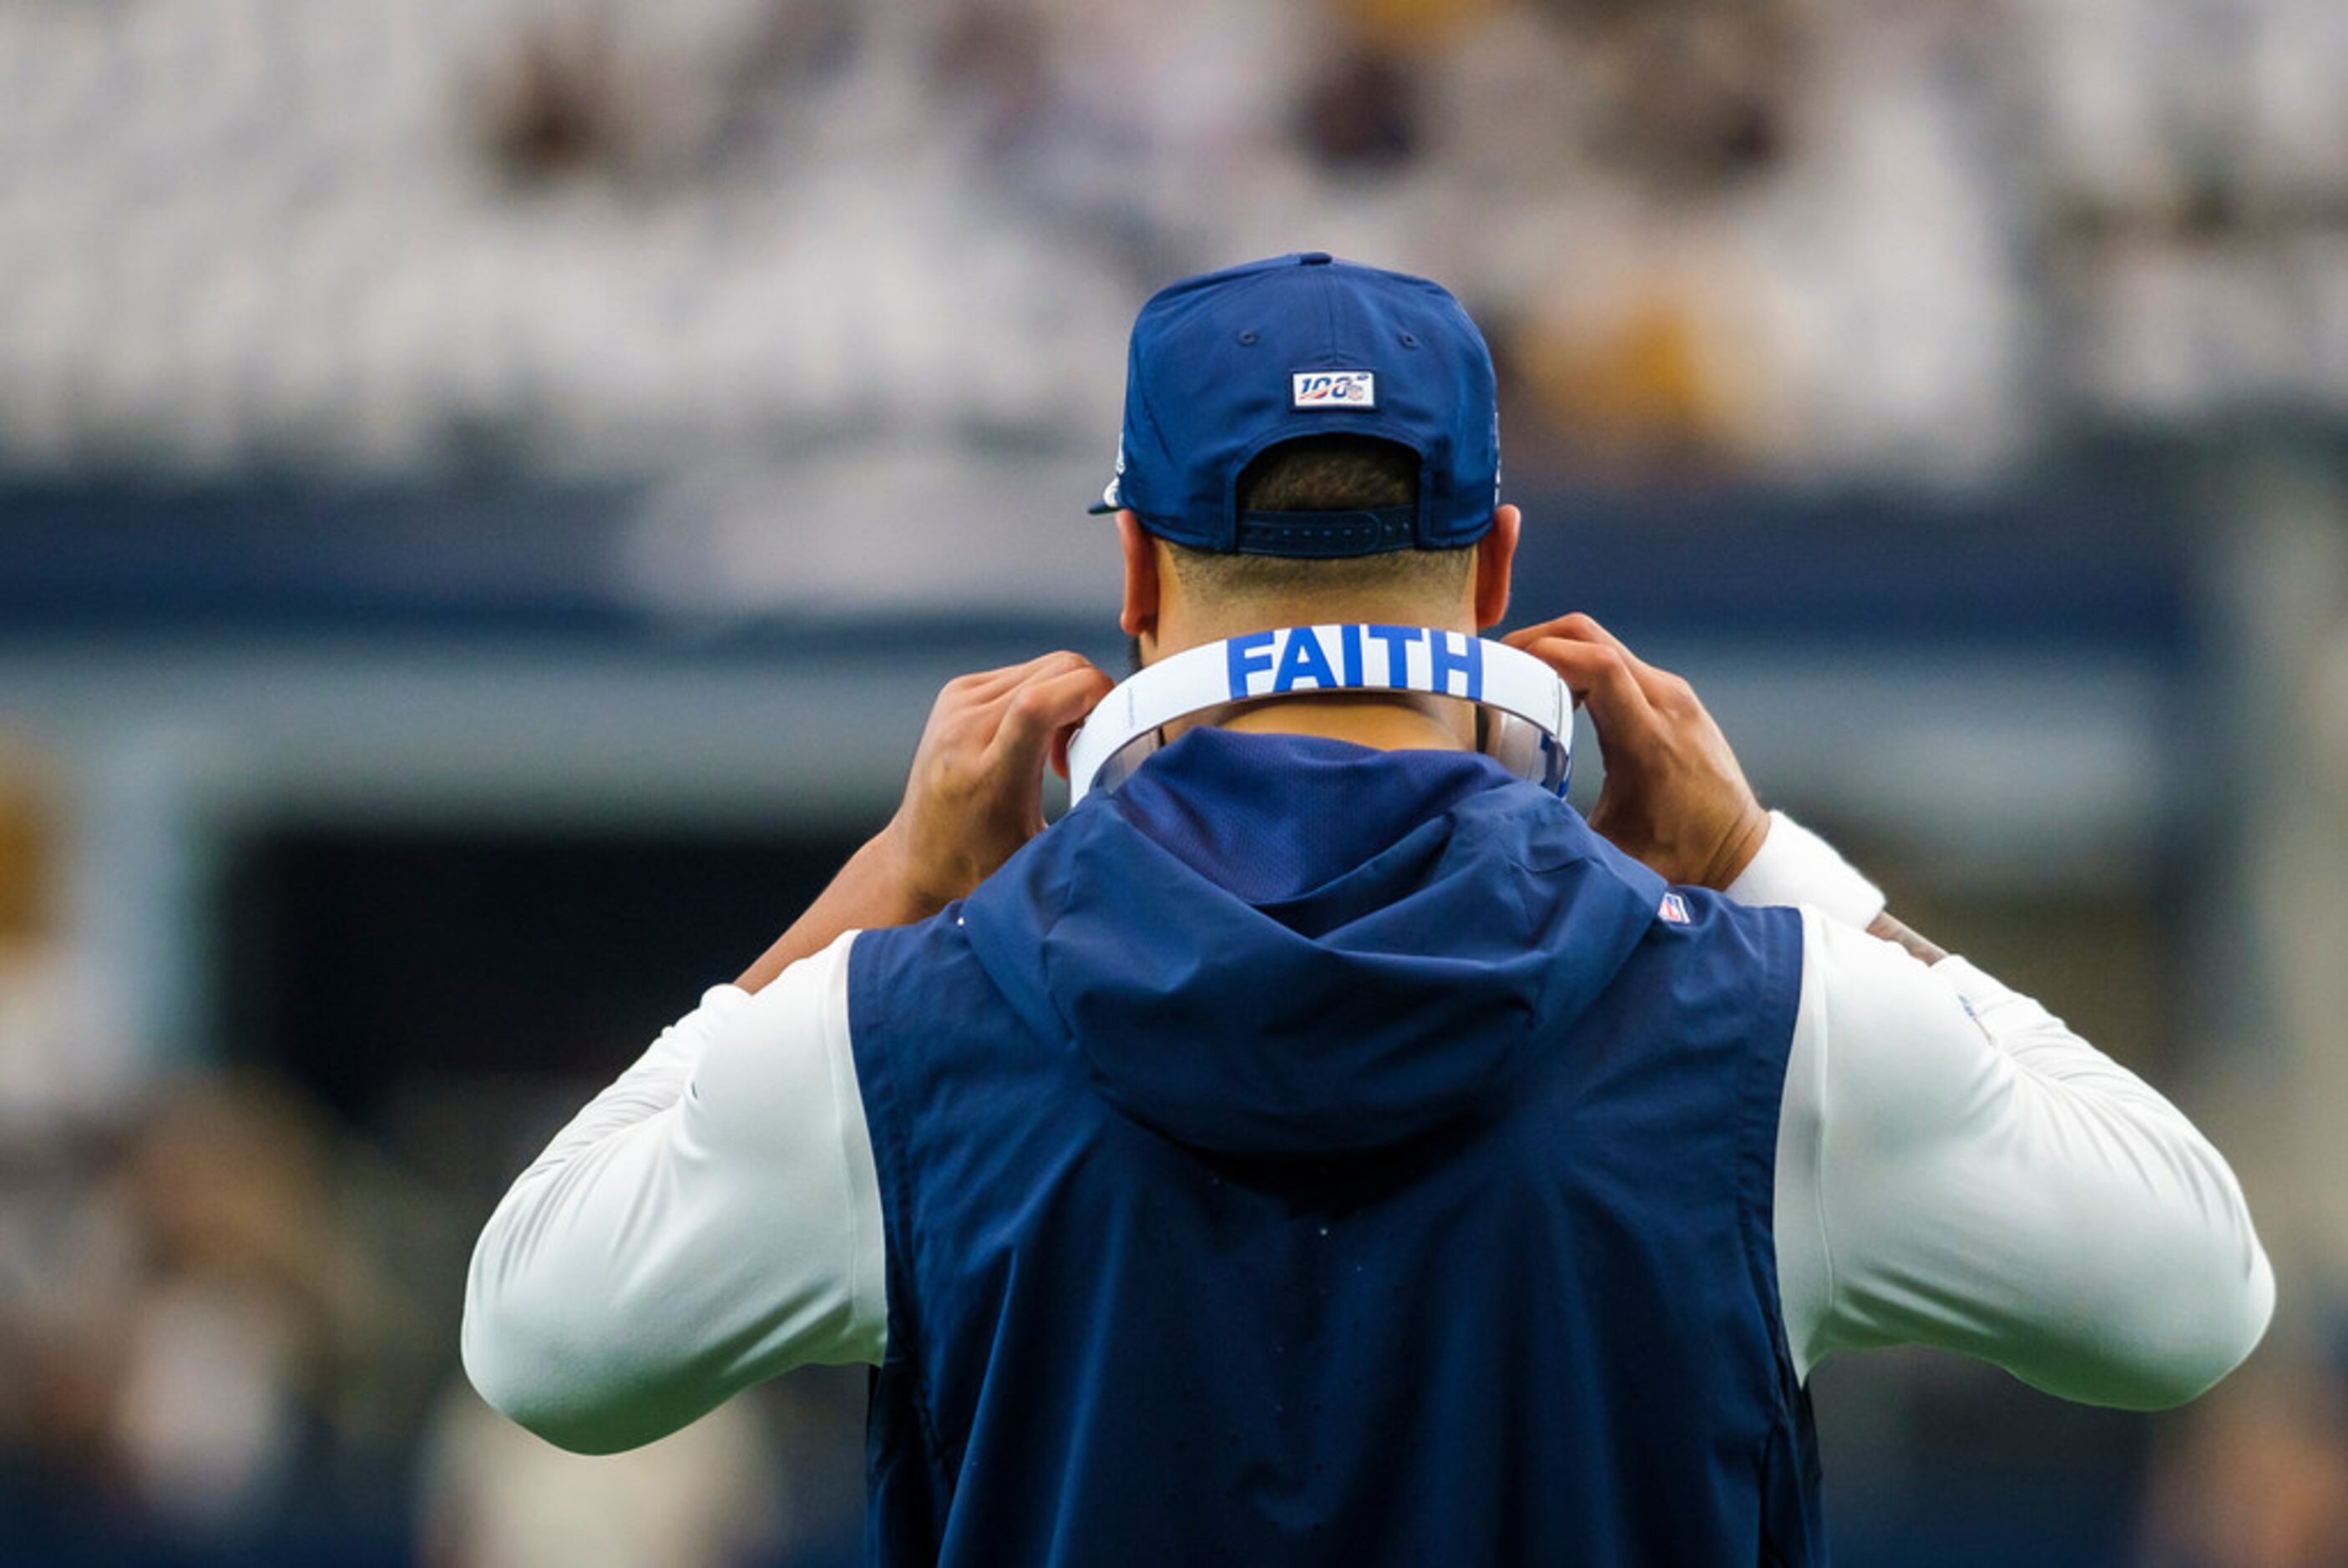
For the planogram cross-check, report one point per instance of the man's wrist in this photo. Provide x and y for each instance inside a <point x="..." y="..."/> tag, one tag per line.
<point x="885" y="872"/>
<point x="1795" y="865"/>
<point x="1736" y="851"/>
<point x="873" y="889"/>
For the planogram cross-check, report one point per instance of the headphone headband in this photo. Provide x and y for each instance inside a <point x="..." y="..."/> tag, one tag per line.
<point x="1534" y="736"/>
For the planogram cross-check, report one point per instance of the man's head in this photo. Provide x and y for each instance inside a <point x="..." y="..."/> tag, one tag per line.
<point x="1308" y="440"/>
<point x="1177" y="596"/>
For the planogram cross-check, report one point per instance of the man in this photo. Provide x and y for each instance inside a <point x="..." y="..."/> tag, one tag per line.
<point x="1324" y="1146"/>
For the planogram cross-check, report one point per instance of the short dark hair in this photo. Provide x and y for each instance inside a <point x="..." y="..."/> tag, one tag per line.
<point x="1325" y="473"/>
<point x="1329" y="473"/>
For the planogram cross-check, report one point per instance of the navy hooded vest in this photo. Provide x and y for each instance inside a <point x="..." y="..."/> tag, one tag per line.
<point x="1321" y="1156"/>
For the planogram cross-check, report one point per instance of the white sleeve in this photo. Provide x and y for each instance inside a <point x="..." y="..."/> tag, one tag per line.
<point x="1956" y="1167"/>
<point x="710" y="1220"/>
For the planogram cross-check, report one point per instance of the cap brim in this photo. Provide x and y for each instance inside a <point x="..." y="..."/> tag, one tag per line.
<point x="1102" y="509"/>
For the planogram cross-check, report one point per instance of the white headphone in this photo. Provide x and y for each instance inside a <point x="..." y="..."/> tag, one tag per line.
<point x="1532" y="712"/>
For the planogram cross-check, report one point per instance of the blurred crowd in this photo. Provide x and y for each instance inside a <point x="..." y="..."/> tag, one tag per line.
<point x="1774" y="236"/>
<point x="228" y="1326"/>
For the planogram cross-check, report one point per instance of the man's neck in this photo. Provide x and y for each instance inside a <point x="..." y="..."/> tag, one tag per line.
<point x="1401" y="722"/>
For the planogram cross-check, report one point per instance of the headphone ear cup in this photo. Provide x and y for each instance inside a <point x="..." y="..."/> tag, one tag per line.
<point x="1118" y="766"/>
<point x="1521" y="749"/>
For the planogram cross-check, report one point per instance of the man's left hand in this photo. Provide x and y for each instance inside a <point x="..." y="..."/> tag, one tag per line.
<point x="1674" y="798"/>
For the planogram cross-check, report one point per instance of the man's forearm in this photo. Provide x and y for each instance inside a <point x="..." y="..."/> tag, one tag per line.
<point x="871" y="891"/>
<point x="1891" y="930"/>
<point x="1985" y="1181"/>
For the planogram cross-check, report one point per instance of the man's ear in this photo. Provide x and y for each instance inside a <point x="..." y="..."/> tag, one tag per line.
<point x="1495" y="557"/>
<point x="1140" y="617"/>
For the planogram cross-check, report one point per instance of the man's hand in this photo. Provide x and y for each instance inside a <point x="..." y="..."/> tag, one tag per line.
<point x="977" y="793"/>
<point x="1674" y="798"/>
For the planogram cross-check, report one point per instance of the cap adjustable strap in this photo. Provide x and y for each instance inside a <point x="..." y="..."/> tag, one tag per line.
<point x="1299" y="660"/>
<point x="1370" y="531"/>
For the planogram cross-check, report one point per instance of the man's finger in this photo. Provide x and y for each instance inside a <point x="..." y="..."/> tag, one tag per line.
<point x="1578" y="627"/>
<point x="1663" y="689"/>
<point x="1601" y="680"/>
<point x="985" y="685"/>
<point x="1036" y="712"/>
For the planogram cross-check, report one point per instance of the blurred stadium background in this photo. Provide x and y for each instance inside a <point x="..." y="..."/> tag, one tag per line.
<point x="488" y="489"/>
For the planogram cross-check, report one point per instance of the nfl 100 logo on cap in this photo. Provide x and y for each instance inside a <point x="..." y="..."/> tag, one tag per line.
<point x="1335" y="389"/>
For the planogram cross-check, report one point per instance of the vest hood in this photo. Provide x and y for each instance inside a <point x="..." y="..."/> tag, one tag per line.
<point x="1282" y="945"/>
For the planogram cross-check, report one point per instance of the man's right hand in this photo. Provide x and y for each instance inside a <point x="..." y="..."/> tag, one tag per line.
<point x="1674" y="798"/>
<point x="976" y="791"/>
<point x="975" y="795"/>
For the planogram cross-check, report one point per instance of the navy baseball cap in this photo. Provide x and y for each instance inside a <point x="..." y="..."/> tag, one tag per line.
<point x="1227" y="364"/>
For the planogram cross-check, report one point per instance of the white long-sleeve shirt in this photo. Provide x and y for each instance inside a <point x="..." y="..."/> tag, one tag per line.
<point x="1955" y="1168"/>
